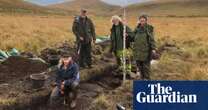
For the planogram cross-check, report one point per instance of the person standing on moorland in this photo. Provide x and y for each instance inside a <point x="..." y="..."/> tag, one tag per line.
<point x="84" y="30"/>
<point x="117" y="38"/>
<point x="144" y="46"/>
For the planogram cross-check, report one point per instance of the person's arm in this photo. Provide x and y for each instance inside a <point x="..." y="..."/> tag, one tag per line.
<point x="75" y="29"/>
<point x="75" y="73"/>
<point x="134" y="34"/>
<point x="74" y="78"/>
<point x="151" y="37"/>
<point x="130" y="34"/>
<point x="58" y="78"/>
<point x="92" y="30"/>
<point x="112" y="41"/>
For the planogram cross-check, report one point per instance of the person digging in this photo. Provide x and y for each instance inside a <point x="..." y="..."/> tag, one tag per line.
<point x="67" y="81"/>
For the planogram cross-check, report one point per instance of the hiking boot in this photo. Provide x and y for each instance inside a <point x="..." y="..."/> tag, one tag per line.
<point x="73" y="104"/>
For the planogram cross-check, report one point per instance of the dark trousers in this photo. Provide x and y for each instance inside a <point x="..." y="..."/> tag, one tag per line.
<point x="85" y="54"/>
<point x="55" y="94"/>
<point x="144" y="68"/>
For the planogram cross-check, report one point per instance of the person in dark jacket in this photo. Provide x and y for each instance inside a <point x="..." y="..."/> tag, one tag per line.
<point x="84" y="30"/>
<point x="67" y="80"/>
<point x="117" y="38"/>
<point x="144" y="46"/>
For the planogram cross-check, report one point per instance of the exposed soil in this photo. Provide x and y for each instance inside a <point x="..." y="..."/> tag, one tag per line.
<point x="16" y="67"/>
<point x="107" y="81"/>
<point x="88" y="91"/>
<point x="16" y="84"/>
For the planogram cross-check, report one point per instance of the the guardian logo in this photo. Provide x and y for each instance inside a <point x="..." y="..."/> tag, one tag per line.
<point x="164" y="94"/>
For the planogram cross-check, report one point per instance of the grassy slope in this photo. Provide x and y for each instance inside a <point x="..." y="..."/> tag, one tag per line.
<point x="94" y="6"/>
<point x="171" y="8"/>
<point x="19" y="6"/>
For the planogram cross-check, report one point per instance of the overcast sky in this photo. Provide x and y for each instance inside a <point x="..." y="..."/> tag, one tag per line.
<point x="115" y="2"/>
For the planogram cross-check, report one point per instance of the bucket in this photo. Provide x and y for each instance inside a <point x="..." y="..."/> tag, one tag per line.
<point x="38" y="80"/>
<point x="54" y="60"/>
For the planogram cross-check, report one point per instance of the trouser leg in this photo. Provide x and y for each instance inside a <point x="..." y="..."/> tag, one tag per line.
<point x="144" y="68"/>
<point x="140" y="68"/>
<point x="88" y="54"/>
<point x="82" y="55"/>
<point x="55" y="94"/>
<point x="74" y="89"/>
<point x="71" y="92"/>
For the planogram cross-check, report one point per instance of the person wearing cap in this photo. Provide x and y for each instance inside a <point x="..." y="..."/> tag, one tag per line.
<point x="144" y="46"/>
<point x="84" y="30"/>
<point x="67" y="81"/>
<point x="117" y="38"/>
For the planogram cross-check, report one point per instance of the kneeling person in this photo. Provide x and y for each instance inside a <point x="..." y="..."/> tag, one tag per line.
<point x="67" y="81"/>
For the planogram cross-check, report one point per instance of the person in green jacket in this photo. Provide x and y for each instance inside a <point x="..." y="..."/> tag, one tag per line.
<point x="144" y="46"/>
<point x="84" y="30"/>
<point x="117" y="38"/>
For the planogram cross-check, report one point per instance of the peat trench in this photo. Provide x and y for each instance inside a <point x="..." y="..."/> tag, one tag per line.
<point x="107" y="80"/>
<point x="87" y="92"/>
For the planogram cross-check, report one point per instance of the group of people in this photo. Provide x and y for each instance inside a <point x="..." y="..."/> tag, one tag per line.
<point x="141" y="41"/>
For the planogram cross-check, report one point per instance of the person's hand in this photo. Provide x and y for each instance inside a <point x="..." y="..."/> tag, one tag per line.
<point x="81" y="38"/>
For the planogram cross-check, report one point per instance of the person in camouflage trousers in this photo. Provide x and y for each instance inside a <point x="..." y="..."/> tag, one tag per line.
<point x="117" y="40"/>
<point x="144" y="46"/>
<point x="84" y="30"/>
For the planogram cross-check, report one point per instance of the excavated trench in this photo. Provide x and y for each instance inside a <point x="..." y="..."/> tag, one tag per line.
<point x="87" y="92"/>
<point x="100" y="79"/>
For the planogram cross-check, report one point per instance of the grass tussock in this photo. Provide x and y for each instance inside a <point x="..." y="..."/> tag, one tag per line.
<point x="9" y="101"/>
<point x="109" y="100"/>
<point x="101" y="103"/>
